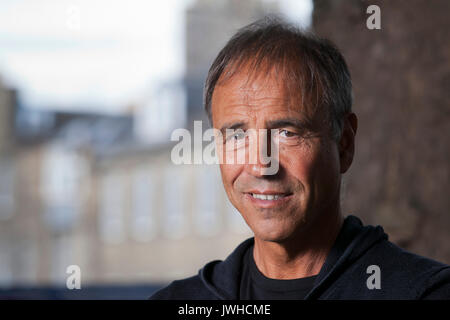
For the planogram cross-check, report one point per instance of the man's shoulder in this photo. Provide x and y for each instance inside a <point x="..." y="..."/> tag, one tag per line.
<point x="425" y="277"/>
<point x="191" y="288"/>
<point x="376" y="268"/>
<point x="394" y="256"/>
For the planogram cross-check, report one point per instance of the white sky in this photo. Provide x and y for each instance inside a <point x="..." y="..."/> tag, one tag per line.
<point x="97" y="54"/>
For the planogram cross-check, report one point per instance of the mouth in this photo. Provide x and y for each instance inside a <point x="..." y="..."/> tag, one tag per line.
<point x="267" y="196"/>
<point x="268" y="199"/>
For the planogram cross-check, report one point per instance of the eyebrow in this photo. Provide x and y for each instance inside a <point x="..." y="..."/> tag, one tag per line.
<point x="288" y="122"/>
<point x="274" y="124"/>
<point x="232" y="126"/>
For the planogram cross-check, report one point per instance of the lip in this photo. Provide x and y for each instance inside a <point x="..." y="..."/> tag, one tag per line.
<point x="267" y="192"/>
<point x="268" y="203"/>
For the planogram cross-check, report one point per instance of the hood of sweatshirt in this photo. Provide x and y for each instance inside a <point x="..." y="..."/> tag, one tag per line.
<point x="222" y="278"/>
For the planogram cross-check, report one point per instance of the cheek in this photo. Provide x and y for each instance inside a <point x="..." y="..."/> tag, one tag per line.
<point x="229" y="173"/>
<point x="310" y="164"/>
<point x="298" y="163"/>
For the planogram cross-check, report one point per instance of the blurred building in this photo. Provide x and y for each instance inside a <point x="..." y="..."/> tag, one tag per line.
<point x="92" y="195"/>
<point x="8" y="101"/>
<point x="100" y="191"/>
<point x="7" y="104"/>
<point x="209" y="25"/>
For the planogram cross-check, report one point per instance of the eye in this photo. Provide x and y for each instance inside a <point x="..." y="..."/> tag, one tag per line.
<point x="287" y="134"/>
<point x="236" y="136"/>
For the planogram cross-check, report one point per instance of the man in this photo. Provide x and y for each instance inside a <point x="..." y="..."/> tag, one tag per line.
<point x="271" y="75"/>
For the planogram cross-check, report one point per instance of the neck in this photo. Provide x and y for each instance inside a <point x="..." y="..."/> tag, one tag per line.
<point x="302" y="255"/>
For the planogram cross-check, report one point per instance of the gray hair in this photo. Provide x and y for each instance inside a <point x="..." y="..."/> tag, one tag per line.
<point x="303" y="62"/>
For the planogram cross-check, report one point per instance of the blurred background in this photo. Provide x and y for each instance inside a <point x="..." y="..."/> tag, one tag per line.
<point x="90" y="92"/>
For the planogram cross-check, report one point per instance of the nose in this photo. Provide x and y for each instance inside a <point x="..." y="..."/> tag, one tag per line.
<point x="257" y="170"/>
<point x="260" y="154"/>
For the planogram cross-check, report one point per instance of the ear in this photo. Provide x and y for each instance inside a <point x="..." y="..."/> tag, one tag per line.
<point x="347" y="141"/>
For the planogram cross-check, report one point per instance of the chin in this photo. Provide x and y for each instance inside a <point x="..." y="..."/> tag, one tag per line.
<point x="273" y="234"/>
<point x="278" y="231"/>
<point x="275" y="239"/>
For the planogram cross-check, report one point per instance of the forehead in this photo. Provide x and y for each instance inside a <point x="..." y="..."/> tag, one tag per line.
<point x="244" y="95"/>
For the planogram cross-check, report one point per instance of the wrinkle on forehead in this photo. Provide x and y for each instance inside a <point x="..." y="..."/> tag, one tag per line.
<point x="265" y="88"/>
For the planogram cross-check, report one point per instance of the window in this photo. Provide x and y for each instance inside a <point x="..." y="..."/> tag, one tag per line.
<point x="61" y="180"/>
<point x="6" y="272"/>
<point x="174" y="202"/>
<point x="111" y="219"/>
<point x="7" y="205"/>
<point x="143" y="226"/>
<point x="208" y="185"/>
<point x="165" y="111"/>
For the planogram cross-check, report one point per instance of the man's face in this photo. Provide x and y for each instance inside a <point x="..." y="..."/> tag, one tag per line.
<point x="308" y="179"/>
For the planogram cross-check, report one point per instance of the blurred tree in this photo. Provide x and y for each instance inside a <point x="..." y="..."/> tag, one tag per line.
<point x="401" y="78"/>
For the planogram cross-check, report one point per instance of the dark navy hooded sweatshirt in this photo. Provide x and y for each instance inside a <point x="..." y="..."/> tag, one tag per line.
<point x="344" y="275"/>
